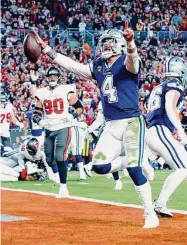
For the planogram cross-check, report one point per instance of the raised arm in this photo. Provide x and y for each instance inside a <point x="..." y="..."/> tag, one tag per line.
<point x="64" y="61"/>
<point x="132" y="61"/>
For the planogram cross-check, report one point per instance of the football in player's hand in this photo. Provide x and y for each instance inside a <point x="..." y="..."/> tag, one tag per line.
<point x="31" y="48"/>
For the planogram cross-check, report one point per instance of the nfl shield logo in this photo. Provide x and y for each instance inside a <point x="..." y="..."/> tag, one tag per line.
<point x="99" y="68"/>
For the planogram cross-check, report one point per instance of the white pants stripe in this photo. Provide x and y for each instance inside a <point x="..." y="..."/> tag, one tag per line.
<point x="161" y="143"/>
<point x="173" y="153"/>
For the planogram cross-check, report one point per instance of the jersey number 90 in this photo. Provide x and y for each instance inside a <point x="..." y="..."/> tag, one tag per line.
<point x="54" y="106"/>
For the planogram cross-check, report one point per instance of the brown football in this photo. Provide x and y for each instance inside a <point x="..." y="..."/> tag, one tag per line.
<point x="31" y="48"/>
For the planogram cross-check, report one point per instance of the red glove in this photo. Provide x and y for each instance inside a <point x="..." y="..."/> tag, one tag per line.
<point x="23" y="174"/>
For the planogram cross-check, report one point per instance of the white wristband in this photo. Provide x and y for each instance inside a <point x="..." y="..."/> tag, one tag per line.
<point x="46" y="49"/>
<point x="131" y="45"/>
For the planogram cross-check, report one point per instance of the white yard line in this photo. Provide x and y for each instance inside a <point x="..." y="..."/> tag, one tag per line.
<point x="89" y="200"/>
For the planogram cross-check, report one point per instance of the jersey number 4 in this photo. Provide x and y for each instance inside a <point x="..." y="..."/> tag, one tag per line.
<point x="56" y="106"/>
<point x="109" y="90"/>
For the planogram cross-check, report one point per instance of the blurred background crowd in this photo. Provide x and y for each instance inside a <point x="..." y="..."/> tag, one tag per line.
<point x="159" y="31"/>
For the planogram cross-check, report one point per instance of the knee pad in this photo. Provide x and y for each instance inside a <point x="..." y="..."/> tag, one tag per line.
<point x="102" y="168"/>
<point x="137" y="176"/>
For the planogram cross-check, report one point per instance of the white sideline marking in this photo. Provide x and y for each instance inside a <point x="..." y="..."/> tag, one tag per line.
<point x="89" y="200"/>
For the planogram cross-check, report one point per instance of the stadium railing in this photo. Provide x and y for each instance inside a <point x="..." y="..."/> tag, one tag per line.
<point x="77" y="38"/>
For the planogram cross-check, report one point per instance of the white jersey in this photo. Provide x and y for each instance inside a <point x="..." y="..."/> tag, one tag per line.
<point x="55" y="105"/>
<point x="77" y="137"/>
<point x="40" y="155"/>
<point x="5" y="119"/>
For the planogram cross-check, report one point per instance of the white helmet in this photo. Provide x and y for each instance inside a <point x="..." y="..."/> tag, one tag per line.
<point x="53" y="71"/>
<point x="111" y="43"/>
<point x="175" y="66"/>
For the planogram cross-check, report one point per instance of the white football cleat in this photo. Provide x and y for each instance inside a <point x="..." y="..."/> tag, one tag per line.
<point x="151" y="221"/>
<point x="88" y="169"/>
<point x="63" y="192"/>
<point x="119" y="185"/>
<point x="162" y="210"/>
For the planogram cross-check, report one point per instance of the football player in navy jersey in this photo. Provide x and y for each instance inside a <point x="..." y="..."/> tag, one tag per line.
<point x="163" y="120"/>
<point x="116" y="71"/>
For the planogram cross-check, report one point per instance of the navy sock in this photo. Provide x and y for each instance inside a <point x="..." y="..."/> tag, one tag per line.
<point x="137" y="176"/>
<point x="62" y="169"/>
<point x="54" y="167"/>
<point x="115" y="175"/>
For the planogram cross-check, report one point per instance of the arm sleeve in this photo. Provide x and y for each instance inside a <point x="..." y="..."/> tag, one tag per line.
<point x="132" y="60"/>
<point x="73" y="66"/>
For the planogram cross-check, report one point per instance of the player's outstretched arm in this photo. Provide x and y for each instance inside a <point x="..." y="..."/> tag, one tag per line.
<point x="132" y="60"/>
<point x="64" y="61"/>
<point x="172" y="98"/>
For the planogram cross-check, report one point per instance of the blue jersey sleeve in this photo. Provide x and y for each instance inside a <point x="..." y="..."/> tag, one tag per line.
<point x="28" y="115"/>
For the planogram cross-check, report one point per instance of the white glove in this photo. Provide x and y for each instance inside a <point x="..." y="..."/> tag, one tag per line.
<point x="183" y="137"/>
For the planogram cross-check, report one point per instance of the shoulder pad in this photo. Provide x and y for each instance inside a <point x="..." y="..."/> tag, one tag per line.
<point x="175" y="84"/>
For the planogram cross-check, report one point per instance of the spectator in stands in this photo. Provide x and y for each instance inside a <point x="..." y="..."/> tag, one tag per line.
<point x="17" y="143"/>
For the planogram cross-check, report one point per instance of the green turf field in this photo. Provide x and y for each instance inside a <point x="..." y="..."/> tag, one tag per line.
<point x="99" y="187"/>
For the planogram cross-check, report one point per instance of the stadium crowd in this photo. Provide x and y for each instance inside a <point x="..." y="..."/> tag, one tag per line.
<point x="19" y="15"/>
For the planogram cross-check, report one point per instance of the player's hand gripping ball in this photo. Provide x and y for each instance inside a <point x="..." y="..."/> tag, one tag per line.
<point x="32" y="48"/>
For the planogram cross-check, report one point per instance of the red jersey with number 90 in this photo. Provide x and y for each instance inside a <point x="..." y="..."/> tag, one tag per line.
<point x="55" y="106"/>
<point x="5" y="118"/>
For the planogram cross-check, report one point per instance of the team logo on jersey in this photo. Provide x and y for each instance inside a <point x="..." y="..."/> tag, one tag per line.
<point x="99" y="68"/>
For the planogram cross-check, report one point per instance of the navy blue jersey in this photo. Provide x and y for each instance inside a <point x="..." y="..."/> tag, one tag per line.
<point x="157" y="112"/>
<point x="119" y="89"/>
<point x="35" y="129"/>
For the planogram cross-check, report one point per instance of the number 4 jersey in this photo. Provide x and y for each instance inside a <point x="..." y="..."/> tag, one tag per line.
<point x="119" y="89"/>
<point x="55" y="106"/>
<point x="5" y="114"/>
<point x="157" y="114"/>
